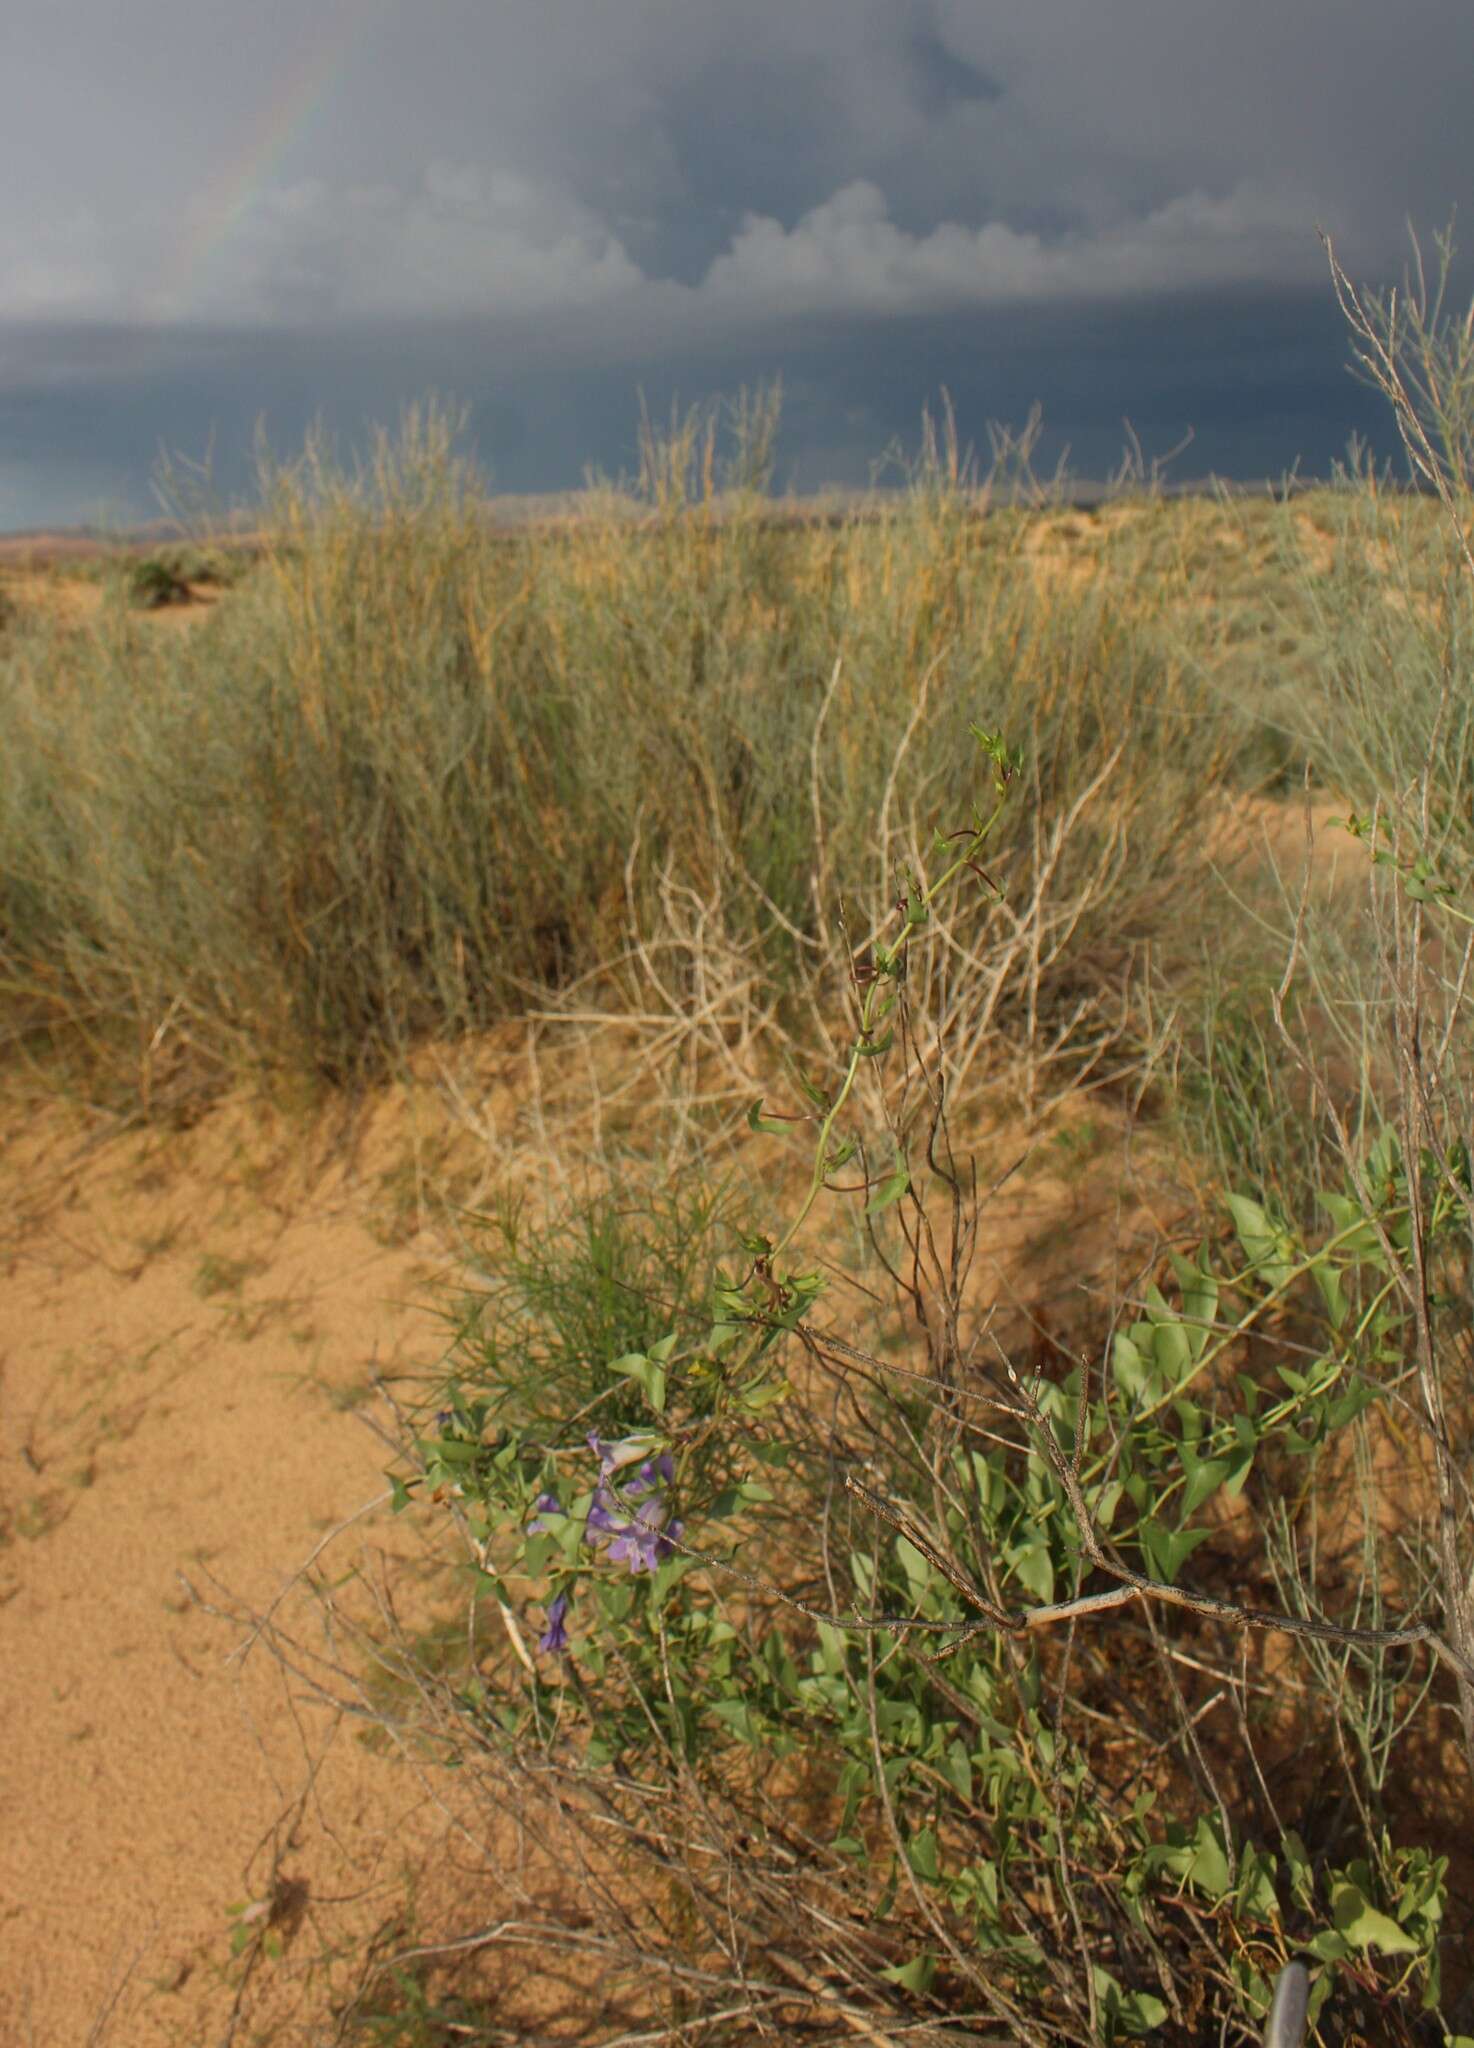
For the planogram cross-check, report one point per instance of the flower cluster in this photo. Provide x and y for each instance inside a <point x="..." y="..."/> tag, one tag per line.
<point x="642" y="1540"/>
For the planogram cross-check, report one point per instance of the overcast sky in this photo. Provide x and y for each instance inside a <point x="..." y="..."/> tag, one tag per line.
<point x="211" y="214"/>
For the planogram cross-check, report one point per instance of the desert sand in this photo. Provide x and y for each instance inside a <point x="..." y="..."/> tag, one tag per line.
<point x="190" y="1325"/>
<point x="182" y="1368"/>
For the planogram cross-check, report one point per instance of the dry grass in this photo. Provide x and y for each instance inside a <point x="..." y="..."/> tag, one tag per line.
<point x="648" y="781"/>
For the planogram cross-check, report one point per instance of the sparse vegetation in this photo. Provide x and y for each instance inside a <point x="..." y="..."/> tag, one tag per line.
<point x="380" y="800"/>
<point x="854" y="1660"/>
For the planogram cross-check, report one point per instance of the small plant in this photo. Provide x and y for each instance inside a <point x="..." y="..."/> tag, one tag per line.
<point x="155" y="581"/>
<point x="403" y="2014"/>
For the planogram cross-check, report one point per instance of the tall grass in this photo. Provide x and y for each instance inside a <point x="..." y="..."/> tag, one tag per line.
<point x="413" y="776"/>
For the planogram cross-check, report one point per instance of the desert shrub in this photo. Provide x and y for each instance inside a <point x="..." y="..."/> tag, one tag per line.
<point x="910" y="1792"/>
<point x="855" y="1671"/>
<point x="886" y="1679"/>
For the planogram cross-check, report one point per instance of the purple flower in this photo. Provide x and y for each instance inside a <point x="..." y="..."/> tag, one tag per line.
<point x="654" y="1473"/>
<point x="643" y="1541"/>
<point x="613" y="1457"/>
<point x="554" y="1639"/>
<point x="646" y="1541"/>
<point x="546" y="1504"/>
<point x="601" y="1520"/>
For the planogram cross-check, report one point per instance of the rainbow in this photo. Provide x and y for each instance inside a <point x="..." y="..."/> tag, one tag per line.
<point x="302" y="90"/>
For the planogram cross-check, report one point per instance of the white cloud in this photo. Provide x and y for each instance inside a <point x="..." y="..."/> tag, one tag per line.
<point x="490" y="243"/>
<point x="467" y="240"/>
<point x="664" y="116"/>
<point x="849" y="256"/>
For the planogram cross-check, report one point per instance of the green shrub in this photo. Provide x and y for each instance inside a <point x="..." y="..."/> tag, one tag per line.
<point x="156" y="581"/>
<point x="821" y="1630"/>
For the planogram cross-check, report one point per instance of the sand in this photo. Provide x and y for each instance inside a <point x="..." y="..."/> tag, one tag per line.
<point x="184" y="1369"/>
<point x="189" y="1325"/>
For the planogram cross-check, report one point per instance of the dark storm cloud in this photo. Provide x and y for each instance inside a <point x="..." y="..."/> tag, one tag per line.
<point x="206" y="213"/>
<point x="1260" y="380"/>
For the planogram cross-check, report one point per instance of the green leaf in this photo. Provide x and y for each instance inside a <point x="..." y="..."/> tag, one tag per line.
<point x="1204" y="1477"/>
<point x="1257" y="1899"/>
<point x="1239" y="1465"/>
<point x="1107" y="1503"/>
<point x="1199" y="1299"/>
<point x="913" y="1976"/>
<point x="833" y="1648"/>
<point x="1332" y="1292"/>
<point x="890" y="1190"/>
<point x="1265" y="1245"/>
<point x="764" y="1394"/>
<point x="1172" y="1351"/>
<point x="1126" y="2012"/>
<point x="1033" y="1566"/>
<point x="810" y="1089"/>
<point x="1168" y="1549"/>
<point x="649" y="1374"/>
<point x="916" y="1568"/>
<point x="739" y="1717"/>
<point x="756" y="1121"/>
<point x="1209" y="1867"/>
<point x="1359" y="1922"/>
<point x="921" y="1853"/>
<point x="1359" y="1395"/>
<point x="1302" y="1878"/>
<point x="1253" y="1989"/>
<point x="447" y="1451"/>
<point x="1358" y="1238"/>
<point x="1128" y="1365"/>
<point x="956" y="1768"/>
